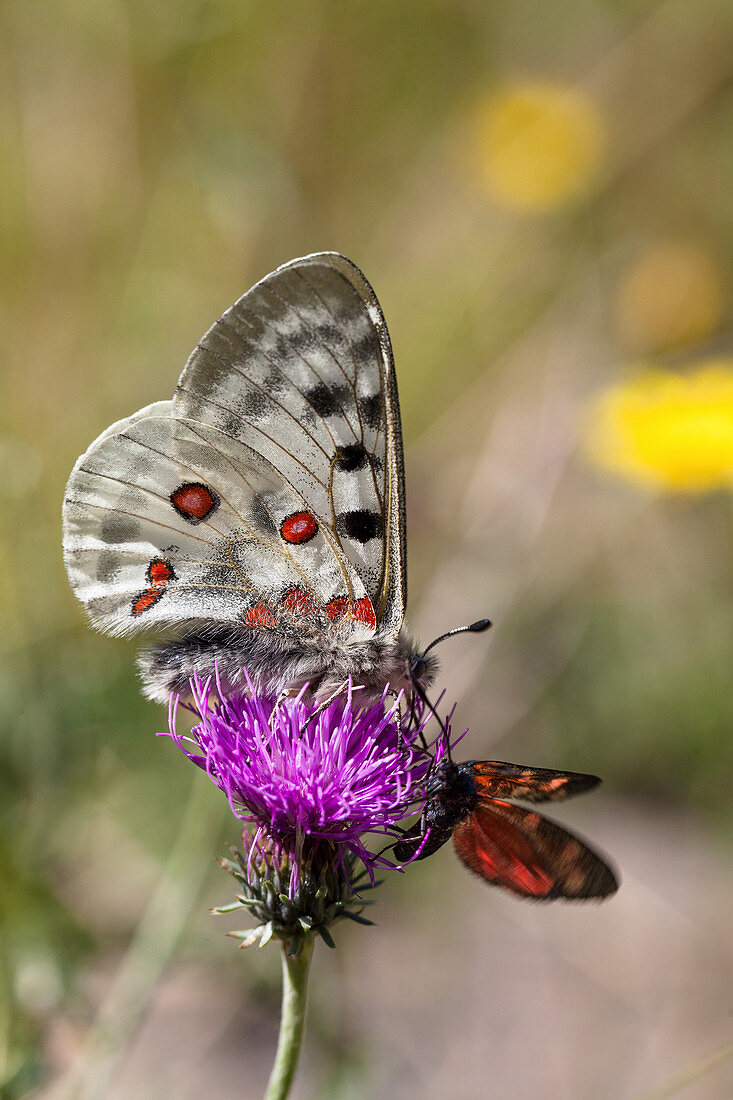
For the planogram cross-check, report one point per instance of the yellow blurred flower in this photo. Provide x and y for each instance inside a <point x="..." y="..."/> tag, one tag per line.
<point x="672" y="295"/>
<point x="668" y="431"/>
<point x="539" y="144"/>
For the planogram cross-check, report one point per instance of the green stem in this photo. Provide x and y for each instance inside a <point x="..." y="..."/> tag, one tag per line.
<point x="292" y="1021"/>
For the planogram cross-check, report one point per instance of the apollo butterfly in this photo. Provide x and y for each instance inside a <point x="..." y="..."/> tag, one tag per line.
<point x="258" y="517"/>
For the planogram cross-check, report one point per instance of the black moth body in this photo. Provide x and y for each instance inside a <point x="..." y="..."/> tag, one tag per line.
<point x="451" y="796"/>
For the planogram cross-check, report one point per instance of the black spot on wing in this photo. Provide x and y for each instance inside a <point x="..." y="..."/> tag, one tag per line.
<point x="119" y="529"/>
<point x="361" y="525"/>
<point x="326" y="400"/>
<point x="366" y="348"/>
<point x="109" y="566"/>
<point x="371" y="409"/>
<point x="351" y="457"/>
<point x="256" y="406"/>
<point x="262" y="518"/>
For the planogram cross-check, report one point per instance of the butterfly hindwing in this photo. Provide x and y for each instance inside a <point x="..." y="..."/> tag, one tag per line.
<point x="161" y="531"/>
<point x="300" y="370"/>
<point x="529" y="855"/>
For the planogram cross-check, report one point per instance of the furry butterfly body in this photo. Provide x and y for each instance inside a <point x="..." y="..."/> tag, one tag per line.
<point x="257" y="518"/>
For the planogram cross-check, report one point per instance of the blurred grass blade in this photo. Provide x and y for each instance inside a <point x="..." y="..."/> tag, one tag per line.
<point x="154" y="943"/>
<point x="689" y="1074"/>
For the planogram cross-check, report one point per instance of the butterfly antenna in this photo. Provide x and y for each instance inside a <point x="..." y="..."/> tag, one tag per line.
<point x="474" y="628"/>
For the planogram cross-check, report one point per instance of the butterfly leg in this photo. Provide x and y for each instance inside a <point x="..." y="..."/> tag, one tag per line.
<point x="397" y="715"/>
<point x="327" y="703"/>
<point x="286" y="694"/>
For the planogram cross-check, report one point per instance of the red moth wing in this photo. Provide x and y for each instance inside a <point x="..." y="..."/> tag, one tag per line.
<point x="529" y="855"/>
<point x="497" y="779"/>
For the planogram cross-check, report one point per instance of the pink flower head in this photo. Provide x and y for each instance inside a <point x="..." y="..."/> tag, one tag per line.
<point x="314" y="781"/>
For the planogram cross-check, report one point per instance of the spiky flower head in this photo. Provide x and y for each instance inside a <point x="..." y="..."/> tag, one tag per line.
<point x="312" y="783"/>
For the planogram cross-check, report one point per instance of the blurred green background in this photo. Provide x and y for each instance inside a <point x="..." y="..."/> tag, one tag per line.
<point x="540" y="195"/>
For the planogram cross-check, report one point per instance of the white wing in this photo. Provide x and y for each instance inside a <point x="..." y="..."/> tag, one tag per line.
<point x="269" y="492"/>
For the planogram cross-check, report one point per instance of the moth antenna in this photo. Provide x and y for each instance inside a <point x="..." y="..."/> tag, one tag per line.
<point x="443" y="729"/>
<point x="414" y="670"/>
<point x="412" y="717"/>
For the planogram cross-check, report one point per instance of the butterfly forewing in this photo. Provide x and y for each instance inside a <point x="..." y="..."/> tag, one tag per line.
<point x="499" y="779"/>
<point x="529" y="855"/>
<point x="300" y="371"/>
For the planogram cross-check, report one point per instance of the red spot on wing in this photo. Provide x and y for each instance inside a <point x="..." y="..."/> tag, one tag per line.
<point x="337" y="608"/>
<point x="298" y="601"/>
<point x="159" y="572"/>
<point x="146" y="600"/>
<point x="363" y="612"/>
<point x="260" y="615"/>
<point x="298" y="527"/>
<point x="194" y="501"/>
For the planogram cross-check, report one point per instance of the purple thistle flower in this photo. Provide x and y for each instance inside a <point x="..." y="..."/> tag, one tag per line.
<point x="311" y="781"/>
